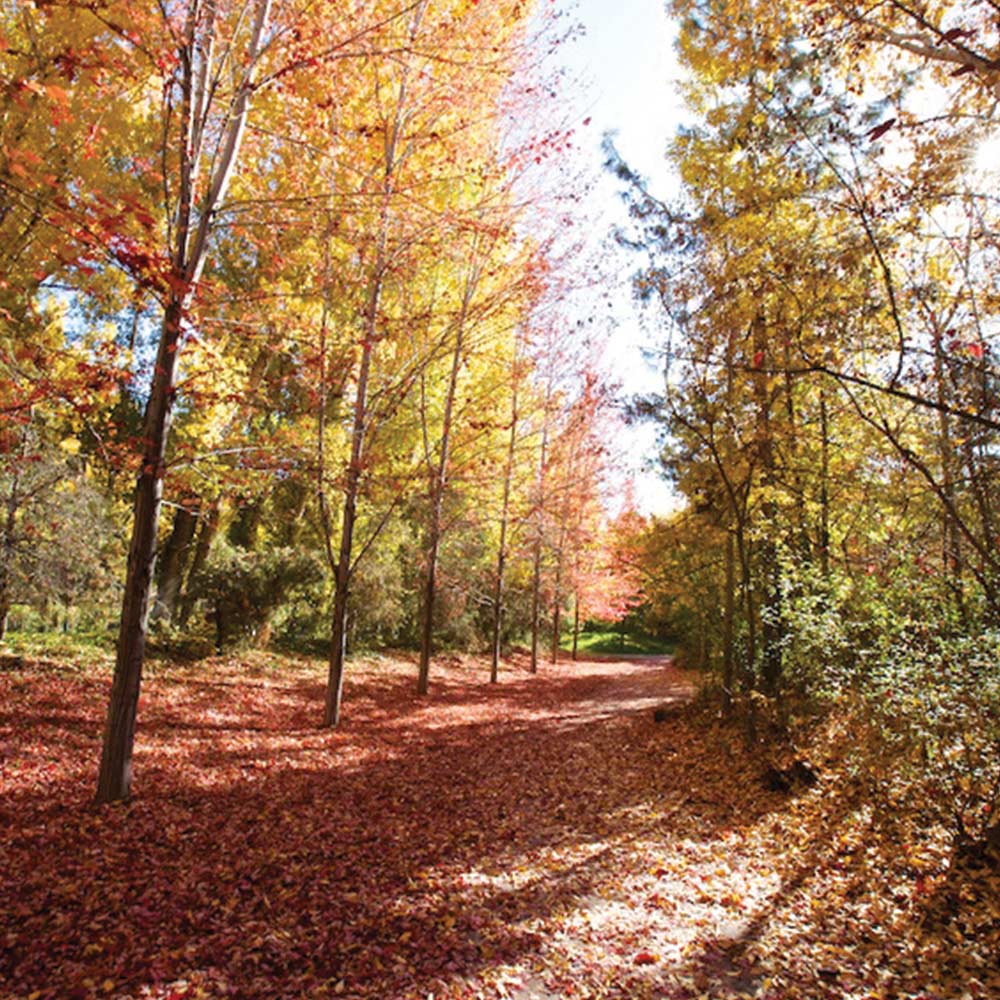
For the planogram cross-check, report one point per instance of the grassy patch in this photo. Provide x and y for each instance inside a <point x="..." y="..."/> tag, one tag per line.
<point x="73" y="650"/>
<point x="606" y="641"/>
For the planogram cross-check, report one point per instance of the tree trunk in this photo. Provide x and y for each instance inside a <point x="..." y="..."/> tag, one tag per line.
<point x="557" y="584"/>
<point x="338" y="649"/>
<point x="498" y="593"/>
<point x="576" y="625"/>
<point x="536" y="586"/>
<point x="359" y="428"/>
<point x="536" y="573"/>
<point x="824" y="488"/>
<point x="206" y="535"/>
<point x="115" y="777"/>
<point x="557" y="613"/>
<point x="4" y="605"/>
<point x="508" y="475"/>
<point x="172" y="563"/>
<point x="728" y="617"/>
<point x="771" y="627"/>
<point x="427" y="605"/>
<point x="7" y="553"/>
<point x="438" y="484"/>
<point x="342" y="577"/>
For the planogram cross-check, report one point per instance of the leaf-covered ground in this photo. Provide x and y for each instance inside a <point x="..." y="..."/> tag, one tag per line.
<point x="544" y="838"/>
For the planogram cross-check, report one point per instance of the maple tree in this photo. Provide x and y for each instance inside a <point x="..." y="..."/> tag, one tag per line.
<point x="210" y="122"/>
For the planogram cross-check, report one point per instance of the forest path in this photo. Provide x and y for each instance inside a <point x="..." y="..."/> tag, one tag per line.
<point x="540" y="838"/>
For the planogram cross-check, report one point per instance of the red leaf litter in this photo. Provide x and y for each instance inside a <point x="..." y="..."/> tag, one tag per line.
<point x="540" y="838"/>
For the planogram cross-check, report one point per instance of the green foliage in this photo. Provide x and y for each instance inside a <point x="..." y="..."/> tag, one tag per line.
<point x="922" y="689"/>
<point x="933" y="702"/>
<point x="77" y="650"/>
<point x="57" y="548"/>
<point x="240" y="590"/>
<point x="383" y="608"/>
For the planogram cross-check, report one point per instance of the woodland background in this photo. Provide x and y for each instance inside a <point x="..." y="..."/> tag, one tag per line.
<point x="283" y="356"/>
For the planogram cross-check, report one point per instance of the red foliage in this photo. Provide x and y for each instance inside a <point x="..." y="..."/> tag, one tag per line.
<point x="541" y="838"/>
<point x="263" y="857"/>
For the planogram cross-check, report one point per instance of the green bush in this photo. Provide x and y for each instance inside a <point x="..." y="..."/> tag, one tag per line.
<point x="240" y="591"/>
<point x="923" y="691"/>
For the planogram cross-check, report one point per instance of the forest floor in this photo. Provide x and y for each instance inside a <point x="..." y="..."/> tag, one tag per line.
<point x="541" y="838"/>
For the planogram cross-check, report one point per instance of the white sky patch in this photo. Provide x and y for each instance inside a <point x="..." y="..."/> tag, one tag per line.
<point x="986" y="162"/>
<point x="624" y="68"/>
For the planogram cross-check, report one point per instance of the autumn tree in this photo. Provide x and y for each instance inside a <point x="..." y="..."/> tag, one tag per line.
<point x="417" y="186"/>
<point x="208" y="64"/>
<point x="827" y="287"/>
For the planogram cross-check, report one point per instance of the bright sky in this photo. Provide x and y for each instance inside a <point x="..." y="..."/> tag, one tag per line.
<point x="624" y="64"/>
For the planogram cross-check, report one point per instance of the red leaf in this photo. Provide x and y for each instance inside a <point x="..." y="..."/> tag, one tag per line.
<point x="644" y="958"/>
<point x="880" y="130"/>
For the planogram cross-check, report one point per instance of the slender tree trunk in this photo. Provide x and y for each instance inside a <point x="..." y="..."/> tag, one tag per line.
<point x="556" y="629"/>
<point x="5" y="601"/>
<point x="427" y="604"/>
<point x="824" y="487"/>
<point x="360" y="424"/>
<point x="576" y="625"/>
<point x="793" y="462"/>
<point x="172" y="563"/>
<point x="748" y="680"/>
<point x="498" y="592"/>
<point x="438" y="483"/>
<point x="536" y="572"/>
<point x="342" y="577"/>
<point x="115" y="777"/>
<point x="338" y="643"/>
<point x="508" y="476"/>
<point x="7" y="549"/>
<point x="359" y="430"/>
<point x="771" y="628"/>
<point x="536" y="586"/>
<point x="557" y="608"/>
<point x="206" y="535"/>
<point x="728" y="621"/>
<point x="325" y="519"/>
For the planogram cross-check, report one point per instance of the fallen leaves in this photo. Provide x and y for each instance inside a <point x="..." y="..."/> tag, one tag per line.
<point x="538" y="839"/>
